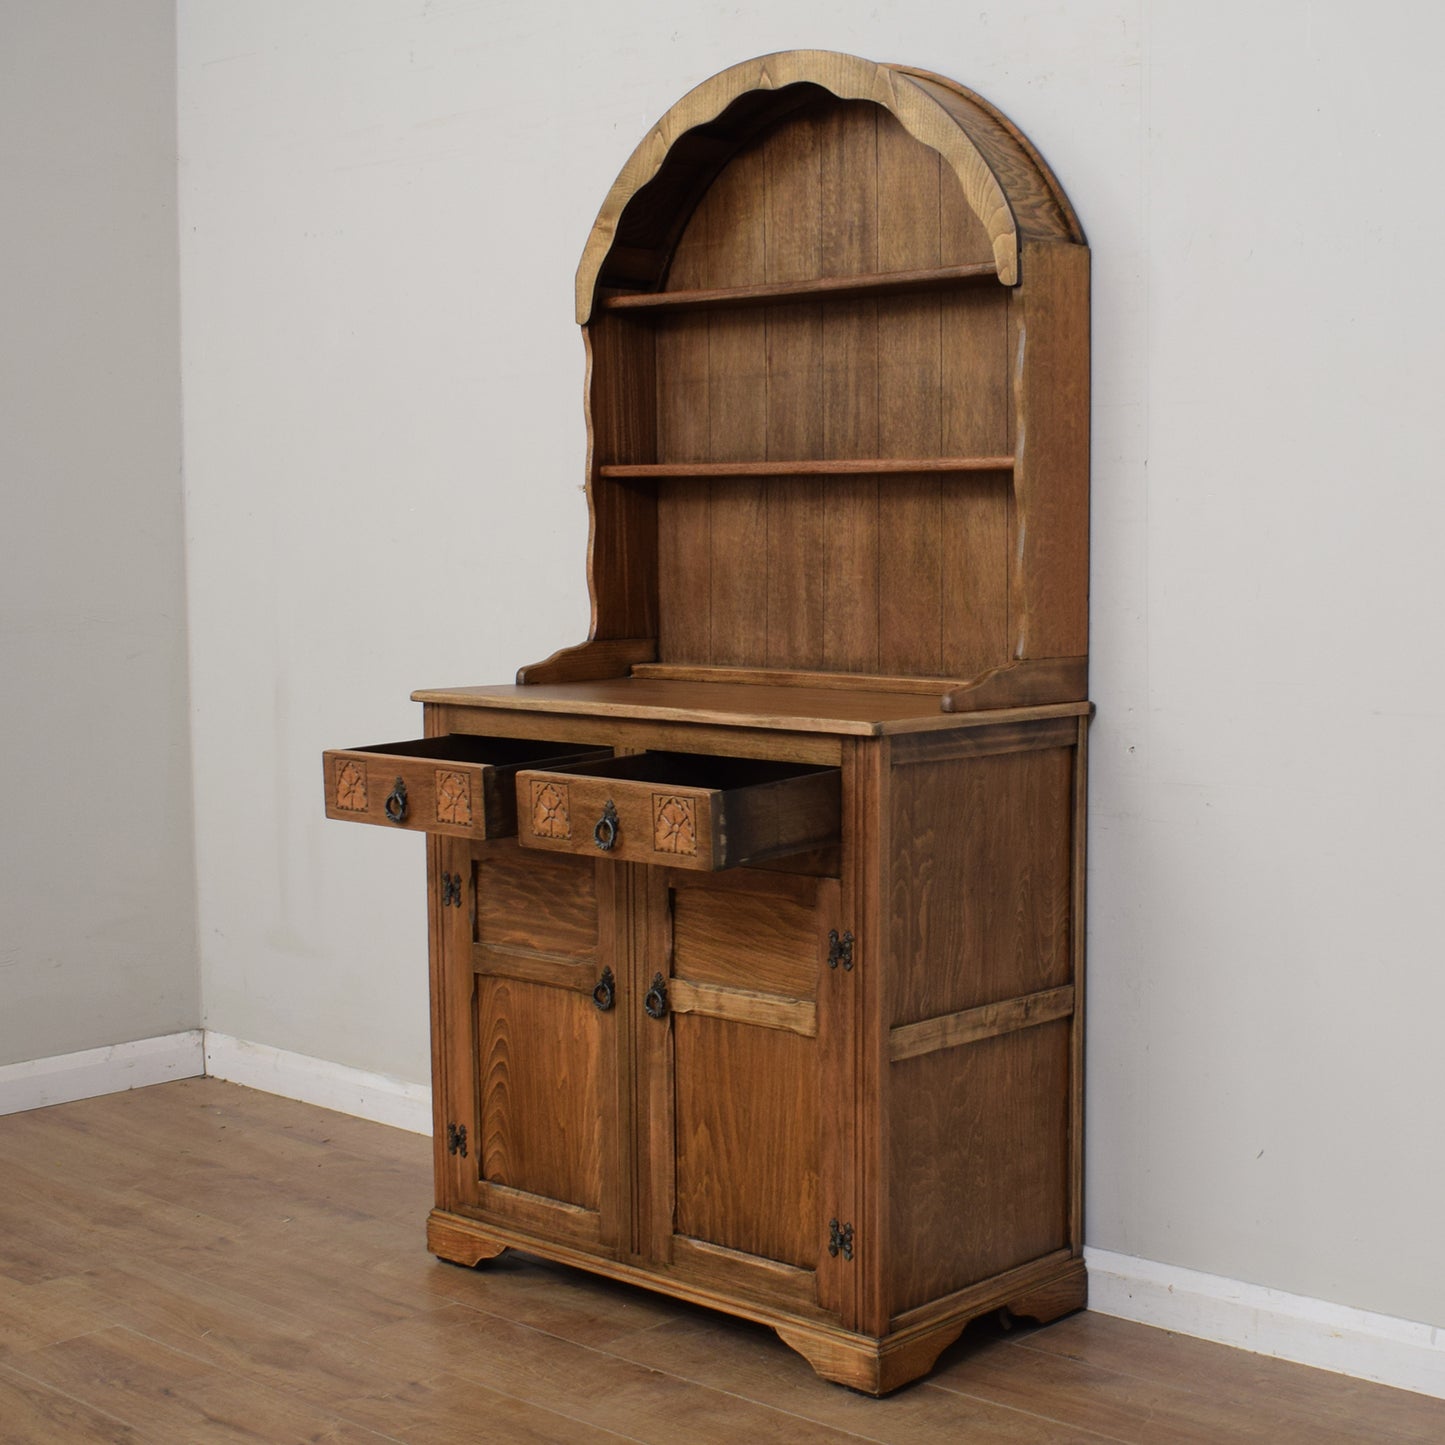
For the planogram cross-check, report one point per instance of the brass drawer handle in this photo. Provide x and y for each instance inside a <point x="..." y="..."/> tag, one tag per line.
<point x="605" y="992"/>
<point x="605" y="832"/>
<point x="655" y="1001"/>
<point x="395" y="804"/>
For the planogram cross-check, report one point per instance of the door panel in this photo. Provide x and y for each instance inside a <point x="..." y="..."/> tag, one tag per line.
<point x="747" y="1138"/>
<point x="733" y="1081"/>
<point x="539" y="1063"/>
<point x="542" y="1082"/>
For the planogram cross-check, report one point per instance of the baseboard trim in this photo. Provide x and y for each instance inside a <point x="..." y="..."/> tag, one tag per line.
<point x="1294" y="1327"/>
<point x="64" y="1078"/>
<point x="378" y="1097"/>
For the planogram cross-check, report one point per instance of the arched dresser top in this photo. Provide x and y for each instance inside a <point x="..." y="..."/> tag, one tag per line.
<point x="1003" y="178"/>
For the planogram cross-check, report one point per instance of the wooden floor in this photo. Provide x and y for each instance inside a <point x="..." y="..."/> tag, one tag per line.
<point x="199" y="1262"/>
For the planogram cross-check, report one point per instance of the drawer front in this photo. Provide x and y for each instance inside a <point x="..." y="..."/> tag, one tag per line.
<point x="461" y="786"/>
<point x="669" y="815"/>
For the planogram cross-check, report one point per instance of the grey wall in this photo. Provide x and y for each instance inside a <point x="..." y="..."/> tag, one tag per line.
<point x="383" y="205"/>
<point x="97" y="910"/>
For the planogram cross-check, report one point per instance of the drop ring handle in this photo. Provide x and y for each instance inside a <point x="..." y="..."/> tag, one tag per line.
<point x="604" y="834"/>
<point x="655" y="1000"/>
<point x="395" y="804"/>
<point x="605" y="991"/>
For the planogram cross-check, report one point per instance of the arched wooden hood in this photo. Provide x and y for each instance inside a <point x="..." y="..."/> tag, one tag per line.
<point x="1003" y="178"/>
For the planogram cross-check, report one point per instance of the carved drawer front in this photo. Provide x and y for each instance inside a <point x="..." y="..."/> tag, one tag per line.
<point x="458" y="784"/>
<point x="683" y="810"/>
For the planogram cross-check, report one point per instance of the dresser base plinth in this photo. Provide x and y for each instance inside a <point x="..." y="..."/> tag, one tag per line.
<point x="869" y="1364"/>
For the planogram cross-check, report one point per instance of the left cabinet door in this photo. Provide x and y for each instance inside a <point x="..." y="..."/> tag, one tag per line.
<point x="529" y="1044"/>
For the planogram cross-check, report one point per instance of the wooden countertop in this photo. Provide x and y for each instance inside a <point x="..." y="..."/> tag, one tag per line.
<point x="857" y="713"/>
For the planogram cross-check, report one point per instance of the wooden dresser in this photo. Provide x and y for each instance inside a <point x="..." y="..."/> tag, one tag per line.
<point x="757" y="919"/>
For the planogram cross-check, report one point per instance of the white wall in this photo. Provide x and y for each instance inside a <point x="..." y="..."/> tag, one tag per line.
<point x="382" y="207"/>
<point x="97" y="888"/>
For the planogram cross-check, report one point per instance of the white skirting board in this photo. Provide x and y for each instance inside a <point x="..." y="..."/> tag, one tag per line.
<point x="64" y="1078"/>
<point x="378" y="1097"/>
<point x="1269" y="1321"/>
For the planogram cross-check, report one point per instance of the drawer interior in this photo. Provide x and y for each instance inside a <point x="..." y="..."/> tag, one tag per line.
<point x="489" y="751"/>
<point x="694" y="770"/>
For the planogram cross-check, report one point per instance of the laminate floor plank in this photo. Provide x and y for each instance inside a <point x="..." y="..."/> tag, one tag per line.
<point x="35" y="1315"/>
<point x="601" y="1389"/>
<point x="221" y="1265"/>
<point x="750" y="1360"/>
<point x="586" y="1309"/>
<point x="36" y="1414"/>
<point x="449" y="1410"/>
<point x="1165" y="1358"/>
<point x="1080" y="1394"/>
<point x="167" y="1396"/>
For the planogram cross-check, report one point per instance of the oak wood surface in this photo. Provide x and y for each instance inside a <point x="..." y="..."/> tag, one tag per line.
<point x="861" y="713"/>
<point x="948" y="1031"/>
<point x="824" y="288"/>
<point x="978" y="1161"/>
<point x="747" y="1149"/>
<point x="413" y="1350"/>
<point x="679" y="810"/>
<point x="458" y="785"/>
<point x="812" y="467"/>
<point x="590" y="661"/>
<point x="622" y="554"/>
<point x="1019" y="683"/>
<point x="980" y="915"/>
<point x="630" y="240"/>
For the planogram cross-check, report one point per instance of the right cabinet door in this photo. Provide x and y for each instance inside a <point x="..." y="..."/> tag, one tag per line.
<point x="740" y="1026"/>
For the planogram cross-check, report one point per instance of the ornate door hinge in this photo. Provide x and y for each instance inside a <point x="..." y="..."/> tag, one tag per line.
<point x="451" y="889"/>
<point x="840" y="950"/>
<point x="457" y="1139"/>
<point x="840" y="1239"/>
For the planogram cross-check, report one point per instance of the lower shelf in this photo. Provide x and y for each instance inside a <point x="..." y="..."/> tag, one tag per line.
<point x="1044" y="1290"/>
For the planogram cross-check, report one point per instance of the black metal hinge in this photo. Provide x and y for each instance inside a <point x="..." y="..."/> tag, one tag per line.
<point x="840" y="950"/>
<point x="457" y="1139"/>
<point x="451" y="889"/>
<point x="840" y="1239"/>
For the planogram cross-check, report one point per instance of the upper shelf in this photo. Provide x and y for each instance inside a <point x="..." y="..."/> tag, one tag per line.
<point x="823" y="288"/>
<point x="810" y="467"/>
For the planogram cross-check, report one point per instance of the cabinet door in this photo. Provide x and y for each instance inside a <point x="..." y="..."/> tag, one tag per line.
<point x="533" y="1063"/>
<point x="740" y="1131"/>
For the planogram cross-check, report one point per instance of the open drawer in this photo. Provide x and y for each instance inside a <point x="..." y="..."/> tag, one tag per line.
<point x="685" y="810"/>
<point x="456" y="784"/>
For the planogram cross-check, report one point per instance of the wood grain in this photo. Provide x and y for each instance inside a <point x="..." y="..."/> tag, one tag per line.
<point x="969" y="138"/>
<point x="589" y="661"/>
<point x="622" y="559"/>
<point x="1021" y="683"/>
<point x="747" y="1149"/>
<point x="541" y="1081"/>
<point x="746" y="938"/>
<point x="980" y="915"/>
<point x="684" y="427"/>
<point x="910" y="421"/>
<point x="984" y="1127"/>
<point x="542" y="905"/>
<point x="1049" y="524"/>
<point x="802" y="287"/>
<point x="814" y="467"/>
<point x="949" y="1031"/>
<point x="744" y="1006"/>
